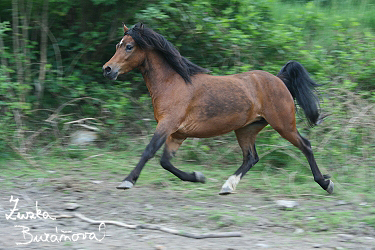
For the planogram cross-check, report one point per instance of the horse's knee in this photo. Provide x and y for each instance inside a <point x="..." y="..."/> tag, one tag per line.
<point x="148" y="153"/>
<point x="252" y="157"/>
<point x="307" y="142"/>
<point x="307" y="151"/>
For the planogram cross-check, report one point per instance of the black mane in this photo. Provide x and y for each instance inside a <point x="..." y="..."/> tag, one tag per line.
<point x="147" y="38"/>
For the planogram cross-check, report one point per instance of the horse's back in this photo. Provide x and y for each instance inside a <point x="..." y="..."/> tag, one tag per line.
<point x="253" y="87"/>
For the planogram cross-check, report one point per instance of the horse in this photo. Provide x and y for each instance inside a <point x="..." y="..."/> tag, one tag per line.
<point x="189" y="102"/>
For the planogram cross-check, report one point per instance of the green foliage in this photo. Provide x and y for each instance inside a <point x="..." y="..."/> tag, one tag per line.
<point x="232" y="37"/>
<point x="12" y="94"/>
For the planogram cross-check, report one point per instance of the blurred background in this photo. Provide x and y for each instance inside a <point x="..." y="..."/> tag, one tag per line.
<point x="55" y="103"/>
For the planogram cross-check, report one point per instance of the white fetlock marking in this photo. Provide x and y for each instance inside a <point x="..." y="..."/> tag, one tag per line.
<point x="232" y="182"/>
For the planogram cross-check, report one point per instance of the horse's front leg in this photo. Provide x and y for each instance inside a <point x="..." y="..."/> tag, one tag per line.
<point x="171" y="146"/>
<point x="156" y="142"/>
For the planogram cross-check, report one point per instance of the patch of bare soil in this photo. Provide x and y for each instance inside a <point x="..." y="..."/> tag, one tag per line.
<point x="257" y="218"/>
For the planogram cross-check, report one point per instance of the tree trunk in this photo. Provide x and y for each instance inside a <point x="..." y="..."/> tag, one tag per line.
<point x="16" y="43"/>
<point x="4" y="61"/>
<point x="23" y="9"/>
<point x="43" y="51"/>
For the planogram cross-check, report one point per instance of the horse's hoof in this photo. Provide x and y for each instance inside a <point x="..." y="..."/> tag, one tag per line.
<point x="200" y="177"/>
<point x="330" y="187"/>
<point x="226" y="190"/>
<point x="125" y="185"/>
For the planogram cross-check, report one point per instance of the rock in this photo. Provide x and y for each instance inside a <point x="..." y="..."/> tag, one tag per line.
<point x="71" y="206"/>
<point x="96" y="182"/>
<point x="262" y="245"/>
<point x="341" y="203"/>
<point x="286" y="205"/>
<point x="345" y="237"/>
<point x="299" y="231"/>
<point x="369" y="238"/>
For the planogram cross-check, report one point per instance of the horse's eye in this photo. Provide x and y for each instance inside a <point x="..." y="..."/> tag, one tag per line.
<point x="129" y="47"/>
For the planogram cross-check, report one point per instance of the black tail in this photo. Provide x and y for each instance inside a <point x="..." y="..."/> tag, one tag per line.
<point x="301" y="86"/>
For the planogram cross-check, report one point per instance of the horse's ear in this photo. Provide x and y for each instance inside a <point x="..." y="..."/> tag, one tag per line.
<point x="141" y="27"/>
<point x="125" y="28"/>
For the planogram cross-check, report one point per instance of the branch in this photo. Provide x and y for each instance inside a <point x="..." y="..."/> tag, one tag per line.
<point x="24" y="156"/>
<point x="156" y="227"/>
<point x="57" y="111"/>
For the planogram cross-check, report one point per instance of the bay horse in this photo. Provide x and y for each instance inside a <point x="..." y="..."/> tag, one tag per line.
<point x="189" y="102"/>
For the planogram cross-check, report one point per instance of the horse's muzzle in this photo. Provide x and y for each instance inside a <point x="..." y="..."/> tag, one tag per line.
<point x="110" y="73"/>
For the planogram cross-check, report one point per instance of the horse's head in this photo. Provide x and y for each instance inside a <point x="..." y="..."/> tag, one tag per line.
<point x="127" y="57"/>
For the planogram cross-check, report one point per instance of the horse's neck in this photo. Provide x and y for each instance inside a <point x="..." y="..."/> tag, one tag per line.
<point x="157" y="74"/>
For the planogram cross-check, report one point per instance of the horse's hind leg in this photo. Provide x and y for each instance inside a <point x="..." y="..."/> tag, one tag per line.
<point x="171" y="146"/>
<point x="304" y="145"/>
<point x="285" y="125"/>
<point x="246" y="139"/>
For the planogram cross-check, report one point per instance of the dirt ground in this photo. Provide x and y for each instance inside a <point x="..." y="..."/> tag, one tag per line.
<point x="250" y="213"/>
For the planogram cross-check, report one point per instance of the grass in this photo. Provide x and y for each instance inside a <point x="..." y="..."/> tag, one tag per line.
<point x="360" y="10"/>
<point x="268" y="181"/>
<point x="320" y="19"/>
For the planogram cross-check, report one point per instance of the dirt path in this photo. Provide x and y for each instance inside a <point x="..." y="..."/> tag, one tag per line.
<point x="263" y="225"/>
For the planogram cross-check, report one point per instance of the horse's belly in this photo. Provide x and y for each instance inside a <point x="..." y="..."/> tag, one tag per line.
<point x="212" y="126"/>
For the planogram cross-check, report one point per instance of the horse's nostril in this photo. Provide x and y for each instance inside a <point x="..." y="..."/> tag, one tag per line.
<point x="107" y="69"/>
